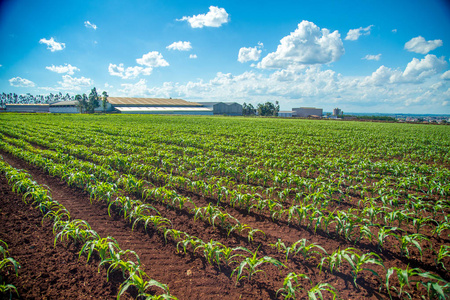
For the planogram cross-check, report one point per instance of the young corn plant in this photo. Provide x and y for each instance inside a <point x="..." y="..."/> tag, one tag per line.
<point x="318" y="289"/>
<point x="384" y="233"/>
<point x="77" y="230"/>
<point x="211" y="251"/>
<point x="189" y="240"/>
<point x="403" y="277"/>
<point x="411" y="240"/>
<point x="105" y="247"/>
<point x="115" y="261"/>
<point x="335" y="259"/>
<point x="434" y="289"/>
<point x="357" y="261"/>
<point x="135" y="279"/>
<point x="444" y="252"/>
<point x="250" y="265"/>
<point x="291" y="285"/>
<point x="4" y="263"/>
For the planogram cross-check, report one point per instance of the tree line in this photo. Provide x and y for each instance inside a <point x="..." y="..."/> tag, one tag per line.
<point x="13" y="98"/>
<point x="267" y="109"/>
<point x="85" y="103"/>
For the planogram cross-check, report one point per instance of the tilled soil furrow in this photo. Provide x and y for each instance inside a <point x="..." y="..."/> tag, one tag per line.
<point x="147" y="246"/>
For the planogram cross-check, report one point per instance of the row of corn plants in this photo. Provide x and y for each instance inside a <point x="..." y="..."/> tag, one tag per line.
<point x="349" y="227"/>
<point x="80" y="233"/>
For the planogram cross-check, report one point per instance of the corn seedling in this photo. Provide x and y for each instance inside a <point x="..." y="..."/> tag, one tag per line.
<point x="412" y="239"/>
<point x="115" y="261"/>
<point x="291" y="285"/>
<point x="251" y="264"/>
<point x="335" y="259"/>
<point x="357" y="261"/>
<point x="135" y="279"/>
<point x="317" y="290"/>
<point x="403" y="277"/>
<point x="77" y="230"/>
<point x="444" y="252"/>
<point x="105" y="247"/>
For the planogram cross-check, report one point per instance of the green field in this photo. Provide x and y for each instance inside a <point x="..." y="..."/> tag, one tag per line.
<point x="357" y="207"/>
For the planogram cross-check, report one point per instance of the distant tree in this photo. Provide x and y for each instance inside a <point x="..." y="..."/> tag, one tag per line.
<point x="268" y="109"/>
<point x="104" y="100"/>
<point x="248" y="110"/>
<point x="82" y="102"/>
<point x="93" y="101"/>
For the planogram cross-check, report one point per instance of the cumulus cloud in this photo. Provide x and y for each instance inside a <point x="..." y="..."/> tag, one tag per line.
<point x="136" y="89"/>
<point x="372" y="57"/>
<point x="67" y="68"/>
<point x="354" y="34"/>
<point x="180" y="46"/>
<point x="307" y="45"/>
<point x="128" y="73"/>
<point x="446" y="75"/>
<point x="250" y="54"/>
<point x="215" y="17"/>
<point x="90" y="25"/>
<point x="73" y="83"/>
<point x="420" y="45"/>
<point x="416" y="71"/>
<point x="152" y="59"/>
<point x="193" y="56"/>
<point x="21" y="82"/>
<point x="149" y="61"/>
<point x="52" y="45"/>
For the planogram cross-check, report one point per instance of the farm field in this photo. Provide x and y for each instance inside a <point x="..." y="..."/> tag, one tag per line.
<point x="236" y="208"/>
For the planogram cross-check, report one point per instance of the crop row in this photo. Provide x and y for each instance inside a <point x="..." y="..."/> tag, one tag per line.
<point x="81" y="233"/>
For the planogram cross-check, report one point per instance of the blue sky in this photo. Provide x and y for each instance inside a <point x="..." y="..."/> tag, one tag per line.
<point x="360" y="56"/>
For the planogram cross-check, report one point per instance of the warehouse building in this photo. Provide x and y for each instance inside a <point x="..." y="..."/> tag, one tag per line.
<point x="305" y="112"/>
<point x="286" y="113"/>
<point x="71" y="107"/>
<point x="27" y="108"/>
<point x="127" y="105"/>
<point x="224" y="108"/>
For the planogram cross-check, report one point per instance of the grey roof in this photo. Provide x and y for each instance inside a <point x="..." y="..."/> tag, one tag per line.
<point x="129" y="101"/>
<point x="214" y="103"/>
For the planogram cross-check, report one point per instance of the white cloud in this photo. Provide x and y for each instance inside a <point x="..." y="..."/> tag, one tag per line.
<point x="415" y="72"/>
<point x="214" y="18"/>
<point x="354" y="34"/>
<point x="152" y="59"/>
<point x="420" y="45"/>
<point x="180" y="46"/>
<point x="193" y="56"/>
<point x="73" y="83"/>
<point x="372" y="57"/>
<point x="67" y="68"/>
<point x="128" y="73"/>
<point x="21" y="82"/>
<point x="90" y="25"/>
<point x="394" y="30"/>
<point x="250" y="54"/>
<point x="446" y="75"/>
<point x="137" y="89"/>
<point x="307" y="45"/>
<point x="52" y="45"/>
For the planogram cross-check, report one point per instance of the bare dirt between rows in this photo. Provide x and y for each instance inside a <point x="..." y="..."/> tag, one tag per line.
<point x="188" y="277"/>
<point x="46" y="272"/>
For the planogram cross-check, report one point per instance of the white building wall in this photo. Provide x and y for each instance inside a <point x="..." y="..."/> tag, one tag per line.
<point x="64" y="109"/>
